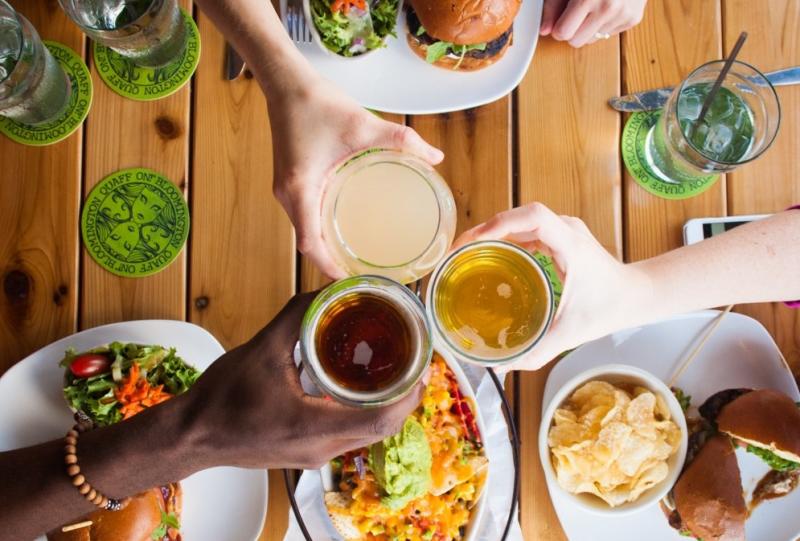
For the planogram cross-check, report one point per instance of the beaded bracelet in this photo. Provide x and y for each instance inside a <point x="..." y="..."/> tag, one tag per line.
<point x="78" y="480"/>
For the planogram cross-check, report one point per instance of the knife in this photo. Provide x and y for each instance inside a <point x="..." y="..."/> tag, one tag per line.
<point x="650" y="100"/>
<point x="234" y="65"/>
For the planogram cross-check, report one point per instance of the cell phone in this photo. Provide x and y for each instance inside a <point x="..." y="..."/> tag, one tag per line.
<point x="698" y="229"/>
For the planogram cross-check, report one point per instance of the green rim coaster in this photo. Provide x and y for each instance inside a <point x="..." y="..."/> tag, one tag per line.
<point x="80" y="101"/>
<point x="135" y="222"/>
<point x="147" y="84"/>
<point x="633" y="149"/>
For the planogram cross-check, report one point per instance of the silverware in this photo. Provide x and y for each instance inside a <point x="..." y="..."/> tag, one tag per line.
<point x="234" y="65"/>
<point x="296" y="22"/>
<point x="650" y="100"/>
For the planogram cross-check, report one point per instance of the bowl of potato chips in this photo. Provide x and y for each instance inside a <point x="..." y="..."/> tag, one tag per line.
<point x="614" y="439"/>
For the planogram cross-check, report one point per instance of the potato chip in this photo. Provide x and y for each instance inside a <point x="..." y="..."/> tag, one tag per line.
<point x="612" y="442"/>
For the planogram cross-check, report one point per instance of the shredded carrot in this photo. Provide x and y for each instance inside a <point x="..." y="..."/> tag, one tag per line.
<point x="135" y="394"/>
<point x="345" y="5"/>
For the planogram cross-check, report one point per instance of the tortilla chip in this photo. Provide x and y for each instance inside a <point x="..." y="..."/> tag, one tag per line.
<point x="477" y="465"/>
<point x="343" y="523"/>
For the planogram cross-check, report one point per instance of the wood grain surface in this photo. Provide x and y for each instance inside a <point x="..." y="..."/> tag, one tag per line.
<point x="568" y="158"/>
<point x="554" y="140"/>
<point x="772" y="182"/>
<point x="123" y="133"/>
<point x="40" y="192"/>
<point x="675" y="37"/>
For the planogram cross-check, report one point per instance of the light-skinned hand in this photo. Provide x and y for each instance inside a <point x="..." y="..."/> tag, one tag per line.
<point x="580" y="22"/>
<point x="314" y="132"/>
<point x="600" y="293"/>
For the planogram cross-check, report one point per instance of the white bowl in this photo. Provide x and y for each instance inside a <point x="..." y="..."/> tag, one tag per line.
<point x="317" y="38"/>
<point x="473" y="528"/>
<point x="616" y="373"/>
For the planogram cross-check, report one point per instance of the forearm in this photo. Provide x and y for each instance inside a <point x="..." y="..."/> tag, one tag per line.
<point x="757" y="262"/>
<point x="153" y="448"/>
<point x="255" y="30"/>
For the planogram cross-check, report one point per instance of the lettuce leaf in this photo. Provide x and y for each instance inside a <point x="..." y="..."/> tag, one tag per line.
<point x="773" y="461"/>
<point x="336" y="30"/>
<point x="438" y="49"/>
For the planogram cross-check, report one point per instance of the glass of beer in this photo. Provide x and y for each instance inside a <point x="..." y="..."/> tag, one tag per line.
<point x="490" y="302"/>
<point x="390" y="214"/>
<point x="366" y="341"/>
<point x="33" y="87"/>
<point x="150" y="33"/>
<point x="740" y="124"/>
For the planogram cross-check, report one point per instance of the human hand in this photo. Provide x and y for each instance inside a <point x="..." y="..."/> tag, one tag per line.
<point x="253" y="413"/>
<point x="314" y="131"/>
<point x="584" y="21"/>
<point x="600" y="295"/>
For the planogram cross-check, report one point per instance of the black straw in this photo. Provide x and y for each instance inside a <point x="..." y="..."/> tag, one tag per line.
<point x="722" y="74"/>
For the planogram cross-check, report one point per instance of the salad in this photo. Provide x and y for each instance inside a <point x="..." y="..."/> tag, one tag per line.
<point x="115" y="382"/>
<point x="353" y="27"/>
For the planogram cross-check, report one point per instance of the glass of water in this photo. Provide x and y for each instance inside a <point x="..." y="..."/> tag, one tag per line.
<point x="740" y="124"/>
<point x="150" y="33"/>
<point x="33" y="87"/>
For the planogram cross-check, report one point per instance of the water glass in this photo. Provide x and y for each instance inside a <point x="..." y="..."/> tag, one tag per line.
<point x="150" y="33"/>
<point x="740" y="124"/>
<point x="34" y="89"/>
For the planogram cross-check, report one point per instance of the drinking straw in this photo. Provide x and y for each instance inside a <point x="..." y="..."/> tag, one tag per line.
<point x="722" y="74"/>
<point x="693" y="355"/>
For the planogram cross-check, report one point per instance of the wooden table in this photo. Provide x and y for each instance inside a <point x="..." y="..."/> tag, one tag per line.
<point x="553" y="140"/>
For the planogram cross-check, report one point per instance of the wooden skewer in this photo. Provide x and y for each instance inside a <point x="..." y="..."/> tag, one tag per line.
<point x="77" y="526"/>
<point x="691" y="357"/>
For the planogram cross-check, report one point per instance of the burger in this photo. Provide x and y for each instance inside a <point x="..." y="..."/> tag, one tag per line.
<point x="767" y="424"/>
<point x="153" y="515"/>
<point x="708" y="500"/>
<point x="461" y="34"/>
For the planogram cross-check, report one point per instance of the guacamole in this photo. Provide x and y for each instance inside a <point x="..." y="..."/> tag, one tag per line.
<point x="402" y="465"/>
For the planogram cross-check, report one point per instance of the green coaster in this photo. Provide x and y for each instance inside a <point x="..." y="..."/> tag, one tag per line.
<point x="147" y="84"/>
<point x="633" y="145"/>
<point x="73" y="116"/>
<point x="552" y="275"/>
<point x="135" y="222"/>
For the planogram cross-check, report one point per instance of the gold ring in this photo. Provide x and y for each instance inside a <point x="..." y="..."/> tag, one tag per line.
<point x="602" y="35"/>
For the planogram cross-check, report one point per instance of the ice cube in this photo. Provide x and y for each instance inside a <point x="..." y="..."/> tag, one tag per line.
<point x="718" y="139"/>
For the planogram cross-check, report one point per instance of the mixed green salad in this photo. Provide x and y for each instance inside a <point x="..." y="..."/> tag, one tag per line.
<point x="114" y="382"/>
<point x="344" y="25"/>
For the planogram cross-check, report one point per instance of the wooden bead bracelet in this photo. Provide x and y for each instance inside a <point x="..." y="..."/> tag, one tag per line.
<point x="78" y="480"/>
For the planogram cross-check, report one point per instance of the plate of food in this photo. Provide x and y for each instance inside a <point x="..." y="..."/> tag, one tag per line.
<point x="426" y="482"/>
<point x="743" y="457"/>
<point x="110" y="373"/>
<point x="421" y="56"/>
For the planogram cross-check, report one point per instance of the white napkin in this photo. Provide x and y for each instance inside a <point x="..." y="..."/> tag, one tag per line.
<point x="309" y="493"/>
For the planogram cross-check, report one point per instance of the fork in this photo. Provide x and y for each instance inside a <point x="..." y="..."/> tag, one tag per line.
<point x="296" y="22"/>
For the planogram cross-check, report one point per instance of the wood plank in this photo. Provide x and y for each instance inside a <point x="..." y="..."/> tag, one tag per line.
<point x="39" y="210"/>
<point x="242" y="267"/>
<point x="123" y="133"/>
<point x="772" y="182"/>
<point x="569" y="160"/>
<point x="674" y="37"/>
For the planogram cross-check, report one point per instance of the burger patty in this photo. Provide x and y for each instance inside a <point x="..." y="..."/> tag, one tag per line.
<point x="492" y="48"/>
<point x="714" y="404"/>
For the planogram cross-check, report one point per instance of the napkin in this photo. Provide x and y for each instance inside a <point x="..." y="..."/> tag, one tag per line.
<point x="498" y="494"/>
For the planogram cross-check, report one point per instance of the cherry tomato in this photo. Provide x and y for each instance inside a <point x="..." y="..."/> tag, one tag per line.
<point x="90" y="364"/>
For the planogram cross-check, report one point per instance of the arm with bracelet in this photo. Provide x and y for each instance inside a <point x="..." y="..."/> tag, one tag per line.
<point x="247" y="410"/>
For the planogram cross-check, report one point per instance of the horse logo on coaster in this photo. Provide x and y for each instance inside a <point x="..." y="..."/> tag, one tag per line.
<point x="144" y="83"/>
<point x="135" y="222"/>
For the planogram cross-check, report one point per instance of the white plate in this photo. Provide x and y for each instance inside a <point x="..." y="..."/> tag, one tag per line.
<point x="464" y="386"/>
<point x="741" y="353"/>
<point x="220" y="503"/>
<point x="395" y="80"/>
